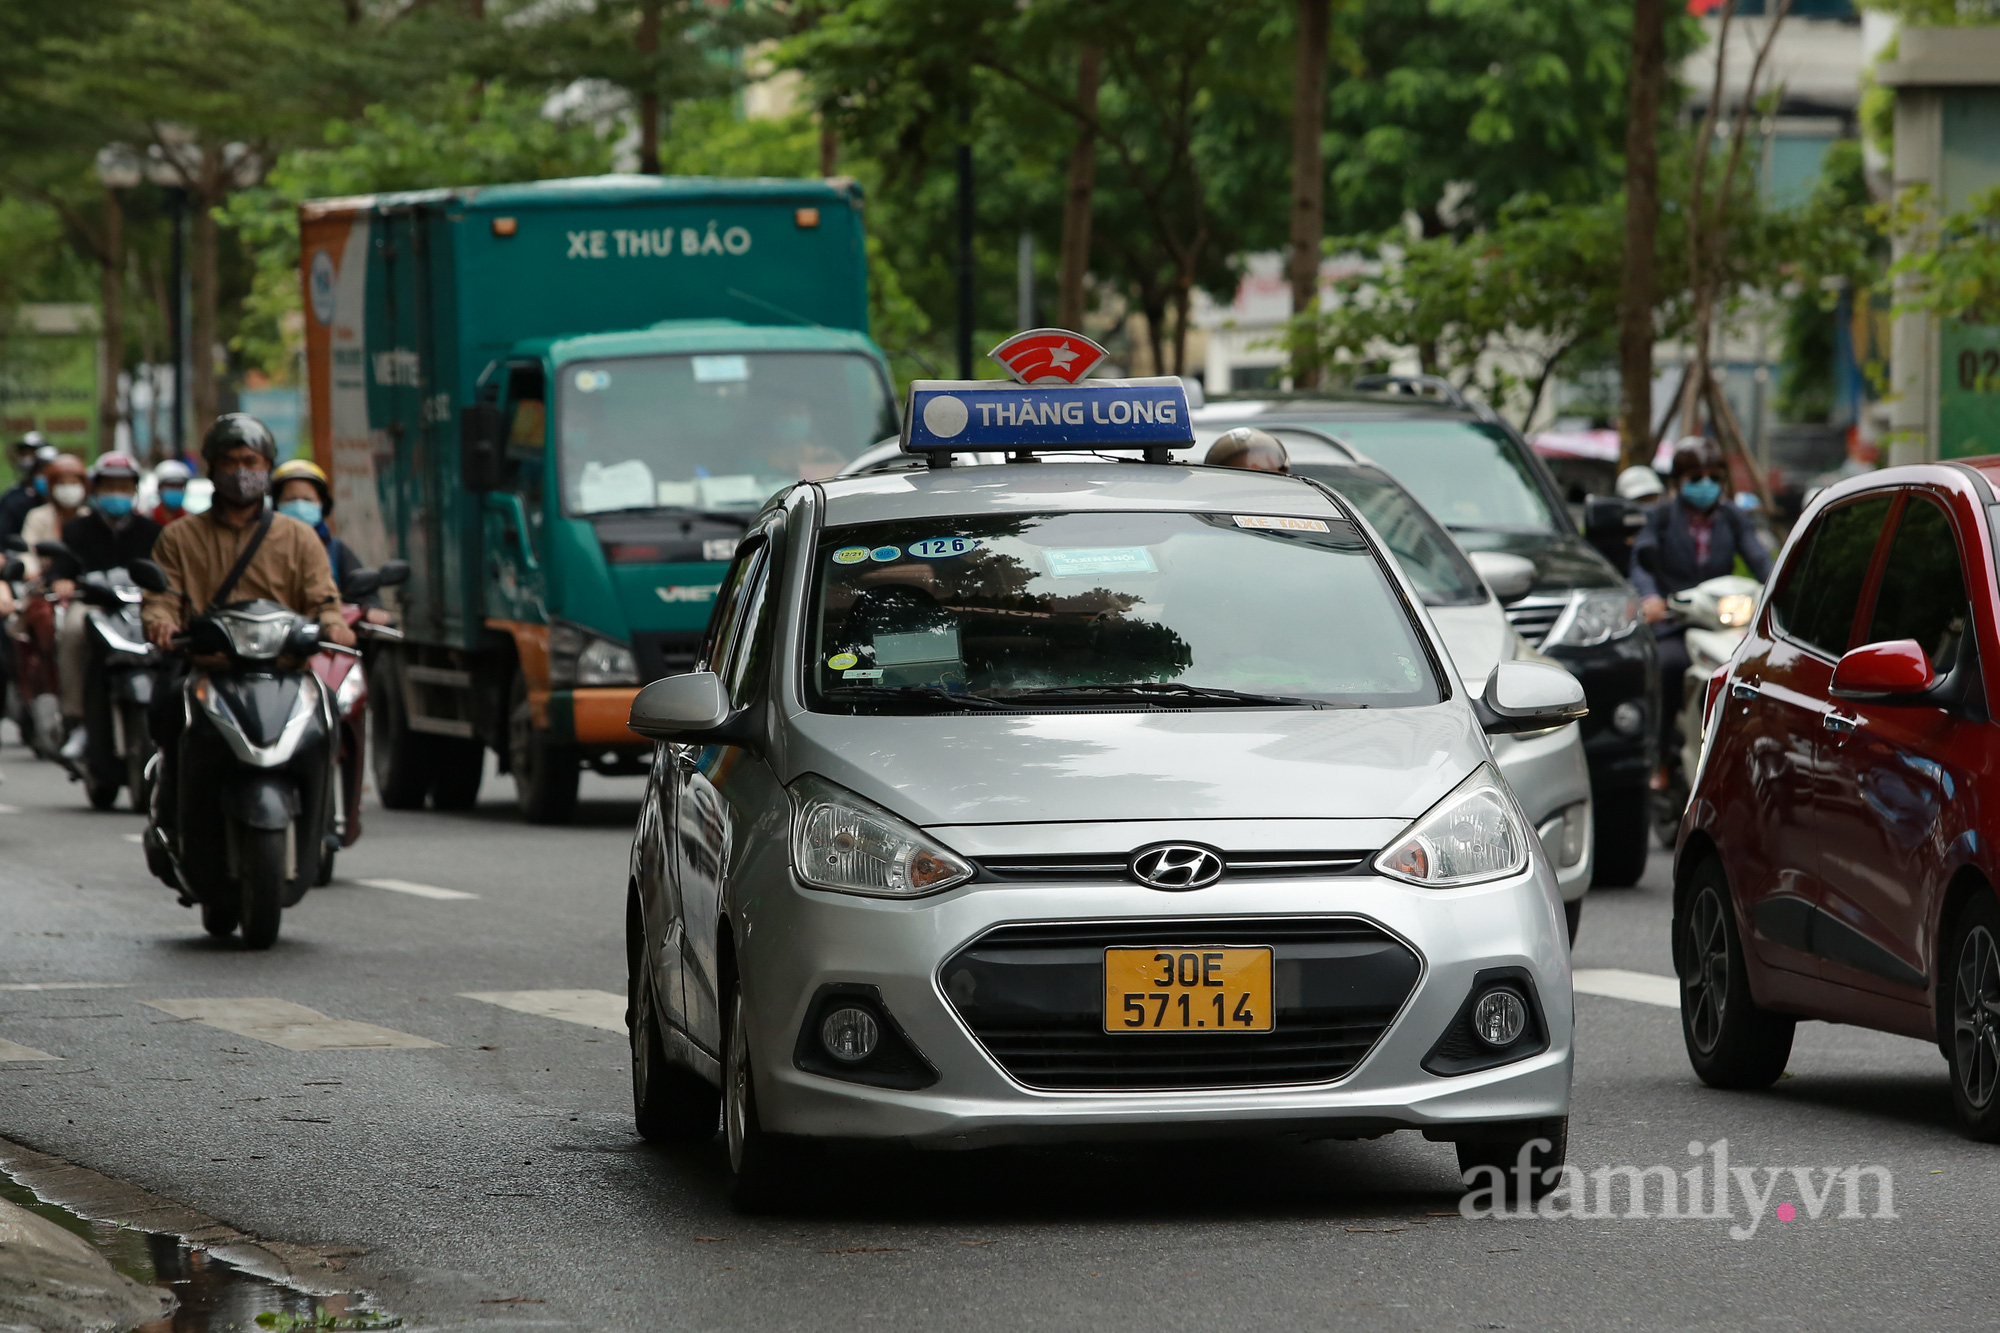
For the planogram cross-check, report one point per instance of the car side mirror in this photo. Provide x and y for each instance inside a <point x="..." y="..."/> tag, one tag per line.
<point x="149" y="576"/>
<point x="1509" y="576"/>
<point x="692" y="709"/>
<point x="1529" y="696"/>
<point x="479" y="447"/>
<point x="394" y="572"/>
<point x="1884" y="673"/>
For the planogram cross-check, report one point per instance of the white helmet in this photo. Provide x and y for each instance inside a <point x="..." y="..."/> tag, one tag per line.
<point x="173" y="472"/>
<point x="1639" y="483"/>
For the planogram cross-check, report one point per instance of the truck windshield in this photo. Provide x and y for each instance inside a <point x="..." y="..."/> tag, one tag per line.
<point x="1468" y="474"/>
<point x="717" y="433"/>
<point x="1107" y="609"/>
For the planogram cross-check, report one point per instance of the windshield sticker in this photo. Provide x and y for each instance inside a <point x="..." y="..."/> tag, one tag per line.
<point x="1276" y="523"/>
<point x="850" y="555"/>
<point x="938" y="645"/>
<point x="590" y="381"/>
<point x="721" y="369"/>
<point x="865" y="673"/>
<point x="886" y="553"/>
<point x="931" y="548"/>
<point x="842" y="661"/>
<point x="1084" y="562"/>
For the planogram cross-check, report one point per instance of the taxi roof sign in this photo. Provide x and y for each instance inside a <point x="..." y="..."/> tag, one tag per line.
<point x="970" y="416"/>
<point x="1048" y="356"/>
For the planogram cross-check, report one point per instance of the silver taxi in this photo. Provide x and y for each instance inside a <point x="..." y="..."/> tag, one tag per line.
<point x="1036" y="803"/>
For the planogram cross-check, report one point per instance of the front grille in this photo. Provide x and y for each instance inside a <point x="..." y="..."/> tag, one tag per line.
<point x="1033" y="996"/>
<point x="1109" y="867"/>
<point x="1533" y="618"/>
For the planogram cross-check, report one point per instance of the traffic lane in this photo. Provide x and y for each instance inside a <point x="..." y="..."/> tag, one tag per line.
<point x="476" y="1175"/>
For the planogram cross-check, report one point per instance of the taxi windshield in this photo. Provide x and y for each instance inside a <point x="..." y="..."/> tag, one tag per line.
<point x="1440" y="571"/>
<point x="1109" y="609"/>
<point x="718" y="433"/>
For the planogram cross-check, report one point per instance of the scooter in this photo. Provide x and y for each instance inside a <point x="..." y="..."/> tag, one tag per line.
<point x="34" y="634"/>
<point x="118" y="692"/>
<point x="1717" y="613"/>
<point x="344" y="677"/>
<point x="11" y="573"/>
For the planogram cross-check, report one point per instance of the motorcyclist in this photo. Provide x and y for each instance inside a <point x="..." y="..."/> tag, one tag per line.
<point x="24" y="494"/>
<point x="68" y="491"/>
<point x="1639" y="484"/>
<point x="171" y="477"/>
<point x="108" y="536"/>
<point x="287" y="565"/>
<point x="1692" y="536"/>
<point x="1249" y="448"/>
<point x="301" y="489"/>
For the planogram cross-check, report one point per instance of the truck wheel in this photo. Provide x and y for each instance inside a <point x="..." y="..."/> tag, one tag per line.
<point x="405" y="760"/>
<point x="1624" y="832"/>
<point x="545" y="774"/>
<point x="265" y="872"/>
<point x="461" y="765"/>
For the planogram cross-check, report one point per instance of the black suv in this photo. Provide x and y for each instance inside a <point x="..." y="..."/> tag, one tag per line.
<point x="1479" y="478"/>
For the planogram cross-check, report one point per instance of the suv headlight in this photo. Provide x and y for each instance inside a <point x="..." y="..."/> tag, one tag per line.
<point x="1471" y="836"/>
<point x="842" y="842"/>
<point x="1597" y="617"/>
<point x="578" y="657"/>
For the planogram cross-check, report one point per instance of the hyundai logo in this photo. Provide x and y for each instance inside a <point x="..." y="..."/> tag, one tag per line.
<point x="1176" y="865"/>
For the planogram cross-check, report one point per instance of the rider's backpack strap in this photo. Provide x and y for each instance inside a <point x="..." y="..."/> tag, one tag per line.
<point x="229" y="580"/>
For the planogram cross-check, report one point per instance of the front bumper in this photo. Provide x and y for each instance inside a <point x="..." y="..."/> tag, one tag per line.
<point x="594" y="717"/>
<point x="1621" y="671"/>
<point x="799" y="940"/>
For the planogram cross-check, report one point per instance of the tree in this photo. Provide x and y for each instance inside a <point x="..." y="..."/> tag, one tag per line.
<point x="1642" y="217"/>
<point x="1308" y="165"/>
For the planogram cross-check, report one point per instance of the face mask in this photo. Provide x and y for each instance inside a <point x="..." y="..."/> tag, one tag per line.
<point x="305" y="511"/>
<point x="172" y="498"/>
<point x="114" y="506"/>
<point x="68" y="494"/>
<point x="242" y="486"/>
<point x="1702" y="493"/>
<point x="41" y="485"/>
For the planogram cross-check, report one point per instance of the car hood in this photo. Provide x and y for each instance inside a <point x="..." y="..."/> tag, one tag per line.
<point x="1219" y="763"/>
<point x="1561" y="563"/>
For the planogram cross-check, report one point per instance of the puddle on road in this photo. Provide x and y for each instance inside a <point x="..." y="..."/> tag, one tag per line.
<point x="214" y="1294"/>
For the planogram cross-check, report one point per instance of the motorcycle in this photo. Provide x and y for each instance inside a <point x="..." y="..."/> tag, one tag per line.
<point x="120" y="672"/>
<point x="1717" y="613"/>
<point x="40" y="705"/>
<point x="11" y="573"/>
<point x="262" y="736"/>
<point x="344" y="677"/>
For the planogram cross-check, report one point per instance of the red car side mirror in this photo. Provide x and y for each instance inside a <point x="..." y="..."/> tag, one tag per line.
<point x="1879" y="672"/>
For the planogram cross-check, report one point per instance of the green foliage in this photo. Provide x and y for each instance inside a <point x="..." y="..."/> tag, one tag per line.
<point x="1951" y="267"/>
<point x="1938" y="13"/>
<point x="456" y="133"/>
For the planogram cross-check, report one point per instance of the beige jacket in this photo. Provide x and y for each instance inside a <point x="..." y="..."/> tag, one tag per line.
<point x="290" y="568"/>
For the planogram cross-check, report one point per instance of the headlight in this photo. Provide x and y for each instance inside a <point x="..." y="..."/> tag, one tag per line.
<point x="1735" y="609"/>
<point x="351" y="686"/>
<point x="255" y="638"/>
<point x="842" y="842"/>
<point x="1470" y="836"/>
<point x="578" y="657"/>
<point x="1597" y="617"/>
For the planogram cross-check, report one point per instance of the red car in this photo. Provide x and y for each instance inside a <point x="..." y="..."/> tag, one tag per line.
<point x="1837" y="857"/>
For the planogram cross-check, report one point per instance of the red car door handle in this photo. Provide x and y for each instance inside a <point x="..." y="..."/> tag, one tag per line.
<point x="1838" y="724"/>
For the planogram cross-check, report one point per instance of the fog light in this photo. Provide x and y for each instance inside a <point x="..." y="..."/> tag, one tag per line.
<point x="1627" y="718"/>
<point x="1499" y="1018"/>
<point x="851" y="1034"/>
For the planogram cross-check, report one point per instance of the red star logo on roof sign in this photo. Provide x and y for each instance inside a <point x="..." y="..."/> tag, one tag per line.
<point x="1048" y="356"/>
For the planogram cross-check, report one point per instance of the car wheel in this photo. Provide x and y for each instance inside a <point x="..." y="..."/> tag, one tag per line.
<point x="670" y="1104"/>
<point x="762" y="1166"/>
<point x="1731" y="1042"/>
<point x="1623" y="824"/>
<point x="1546" y="1144"/>
<point x="1573" y="915"/>
<point x="1972" y="988"/>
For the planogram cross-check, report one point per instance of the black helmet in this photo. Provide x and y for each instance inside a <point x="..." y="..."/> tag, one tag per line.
<point x="233" y="429"/>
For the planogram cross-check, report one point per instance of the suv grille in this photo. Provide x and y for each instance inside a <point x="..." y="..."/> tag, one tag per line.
<point x="1533" y="618"/>
<point x="1034" y="998"/>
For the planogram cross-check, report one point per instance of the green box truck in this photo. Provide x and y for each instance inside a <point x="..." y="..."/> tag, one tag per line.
<point x="562" y="402"/>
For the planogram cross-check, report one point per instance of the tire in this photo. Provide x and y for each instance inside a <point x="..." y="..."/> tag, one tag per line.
<point x="264" y="876"/>
<point x="219" y="919"/>
<point x="138" y="749"/>
<point x="670" y="1104"/>
<point x="102" y="795"/>
<point x="461" y="766"/>
<point x="762" y="1167"/>
<point x="545" y="774"/>
<point x="1573" y="915"/>
<point x="1503" y="1151"/>
<point x="1971" y="1006"/>
<point x="1621" y="822"/>
<point x="405" y="760"/>
<point x="1730" y="1041"/>
<point x="323" y="874"/>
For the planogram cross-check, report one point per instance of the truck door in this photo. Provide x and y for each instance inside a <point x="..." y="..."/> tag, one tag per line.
<point x="513" y="518"/>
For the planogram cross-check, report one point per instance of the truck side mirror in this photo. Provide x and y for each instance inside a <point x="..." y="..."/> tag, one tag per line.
<point x="479" y="447"/>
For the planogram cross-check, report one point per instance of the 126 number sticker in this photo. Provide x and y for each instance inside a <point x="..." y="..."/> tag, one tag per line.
<point x="931" y="548"/>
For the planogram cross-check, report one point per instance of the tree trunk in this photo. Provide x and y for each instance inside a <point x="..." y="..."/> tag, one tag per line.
<point x="1309" y="175"/>
<point x="829" y="147"/>
<point x="1076" y="200"/>
<point x="111" y="288"/>
<point x="202" y="275"/>
<point x="1642" y="214"/>
<point x="649" y="100"/>
<point x="1181" y="301"/>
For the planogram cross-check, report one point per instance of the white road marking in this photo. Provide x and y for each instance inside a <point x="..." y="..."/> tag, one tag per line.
<point x="65" y="985"/>
<point x="592" y="1008"/>
<point x="14" y="1050"/>
<point x="1619" y="984"/>
<point x="292" y="1026"/>
<point x="415" y="890"/>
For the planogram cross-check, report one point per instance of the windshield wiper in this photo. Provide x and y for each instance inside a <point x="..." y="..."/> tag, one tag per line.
<point x="914" y="694"/>
<point x="1169" y="692"/>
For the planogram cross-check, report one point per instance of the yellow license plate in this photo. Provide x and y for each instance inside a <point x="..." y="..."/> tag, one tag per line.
<point x="1187" y="989"/>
